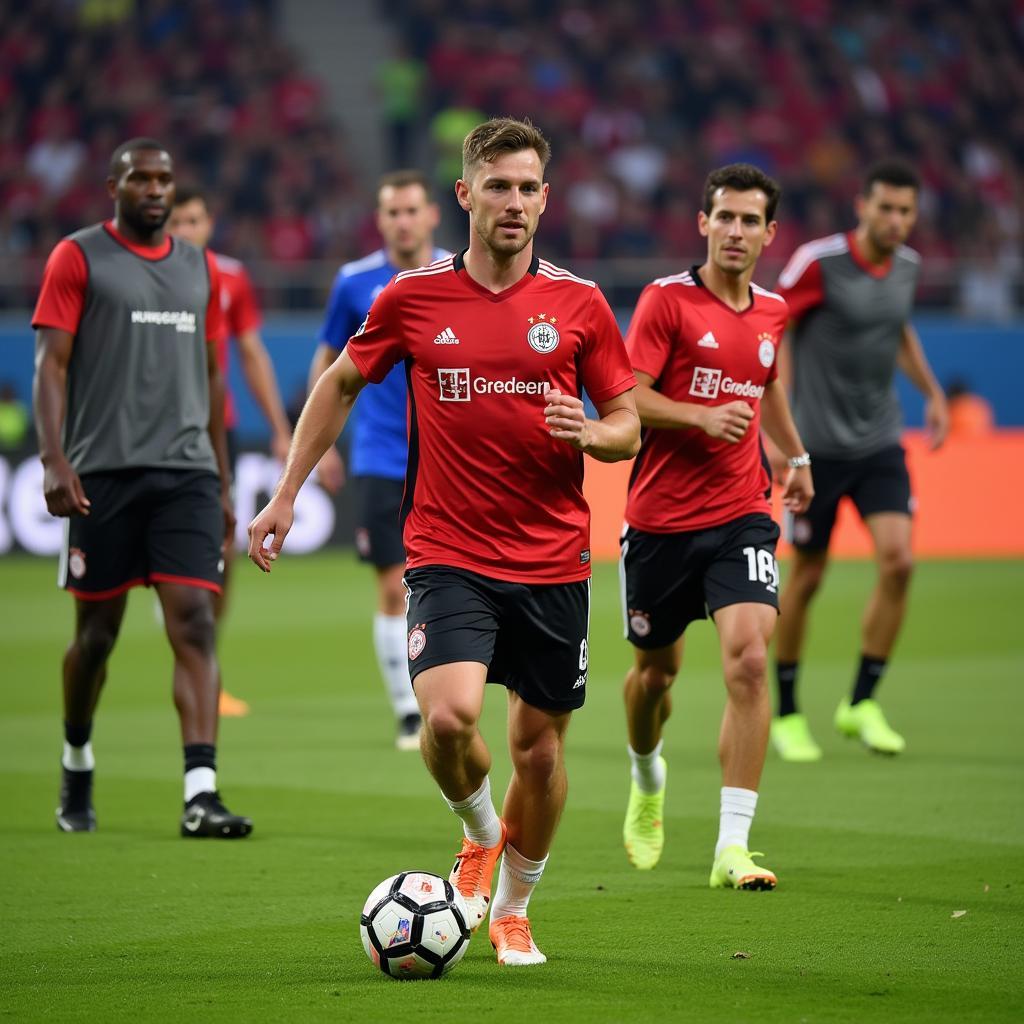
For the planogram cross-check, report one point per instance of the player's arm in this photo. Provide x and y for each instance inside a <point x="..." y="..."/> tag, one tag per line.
<point x="62" y="487"/>
<point x="612" y="437"/>
<point x="331" y="468"/>
<point x="913" y="362"/>
<point x="219" y="439"/>
<point x="323" y="417"/>
<point x="726" y="422"/>
<point x="262" y="383"/>
<point x="784" y="369"/>
<point x="777" y="420"/>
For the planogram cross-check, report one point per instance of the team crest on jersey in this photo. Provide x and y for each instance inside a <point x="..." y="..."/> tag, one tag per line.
<point x="453" y="384"/>
<point x="766" y="350"/>
<point x="76" y="563"/>
<point x="417" y="641"/>
<point x="542" y="336"/>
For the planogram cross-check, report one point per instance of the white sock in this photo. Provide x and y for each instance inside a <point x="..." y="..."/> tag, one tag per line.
<point x="516" y="879"/>
<point x="78" y="759"/>
<point x="738" y="806"/>
<point x="390" y="643"/>
<point x="479" y="819"/>
<point x="648" y="769"/>
<point x="199" y="780"/>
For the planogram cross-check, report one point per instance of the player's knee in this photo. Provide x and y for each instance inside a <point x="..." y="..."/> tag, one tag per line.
<point x="896" y="567"/>
<point x="656" y="680"/>
<point x="193" y="627"/>
<point x="449" y="726"/>
<point x="749" y="668"/>
<point x="95" y="640"/>
<point x="541" y="760"/>
<point x="807" y="580"/>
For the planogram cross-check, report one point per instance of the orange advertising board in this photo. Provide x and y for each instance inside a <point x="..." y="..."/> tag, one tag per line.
<point x="969" y="494"/>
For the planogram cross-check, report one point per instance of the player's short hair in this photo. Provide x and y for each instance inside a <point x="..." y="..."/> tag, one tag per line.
<point x="133" y="146"/>
<point x="487" y="141"/>
<point x="403" y="179"/>
<point x="897" y="173"/>
<point x="743" y="178"/>
<point x="187" y="193"/>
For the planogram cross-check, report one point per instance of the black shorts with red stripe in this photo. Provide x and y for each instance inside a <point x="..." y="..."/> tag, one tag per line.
<point x="144" y="526"/>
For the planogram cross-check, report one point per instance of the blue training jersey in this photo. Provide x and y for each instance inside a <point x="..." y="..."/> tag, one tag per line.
<point x="378" y="445"/>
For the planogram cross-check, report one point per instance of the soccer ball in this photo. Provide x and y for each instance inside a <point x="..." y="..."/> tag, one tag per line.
<point x="414" y="925"/>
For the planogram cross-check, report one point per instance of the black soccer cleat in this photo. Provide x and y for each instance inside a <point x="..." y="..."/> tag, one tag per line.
<point x="206" y="817"/>
<point x="75" y="813"/>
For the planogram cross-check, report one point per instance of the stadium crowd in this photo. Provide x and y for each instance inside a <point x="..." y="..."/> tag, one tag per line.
<point x="637" y="107"/>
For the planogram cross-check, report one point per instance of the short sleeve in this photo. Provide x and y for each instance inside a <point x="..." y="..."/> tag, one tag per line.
<point x="243" y="310"/>
<point x="801" y="284"/>
<point x="604" y="364"/>
<point x="378" y="344"/>
<point x="652" y="331"/>
<point x="62" y="294"/>
<point x="215" y="326"/>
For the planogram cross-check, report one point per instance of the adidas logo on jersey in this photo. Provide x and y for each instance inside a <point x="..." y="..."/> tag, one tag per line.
<point x="708" y="341"/>
<point x="446" y="337"/>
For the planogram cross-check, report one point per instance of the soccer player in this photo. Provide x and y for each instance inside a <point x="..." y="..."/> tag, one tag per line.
<point x="699" y="539"/>
<point x="128" y="408"/>
<point x="190" y="219"/>
<point x="406" y="219"/>
<point x="498" y="344"/>
<point x="850" y="298"/>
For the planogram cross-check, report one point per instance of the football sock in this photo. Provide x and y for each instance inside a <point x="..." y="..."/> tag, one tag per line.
<point x="785" y="677"/>
<point x="738" y="806"/>
<point x="869" y="674"/>
<point x="479" y="819"/>
<point x="516" y="879"/>
<point x="77" y="756"/>
<point x="200" y="769"/>
<point x="648" y="769"/>
<point x="390" y="643"/>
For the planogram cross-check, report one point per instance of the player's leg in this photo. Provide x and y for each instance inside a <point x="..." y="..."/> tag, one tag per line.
<point x="533" y="806"/>
<point x="861" y="715"/>
<point x="184" y="535"/>
<point x="97" y="624"/>
<point x="882" y="496"/>
<point x="744" y="633"/>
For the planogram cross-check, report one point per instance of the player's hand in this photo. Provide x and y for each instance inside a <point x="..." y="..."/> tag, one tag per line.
<point x="276" y="519"/>
<point x="566" y="419"/>
<point x="330" y="471"/>
<point x="63" y="490"/>
<point x="228" y="508"/>
<point x="279" y="445"/>
<point x="727" y="422"/>
<point x="798" y="490"/>
<point x="936" y="420"/>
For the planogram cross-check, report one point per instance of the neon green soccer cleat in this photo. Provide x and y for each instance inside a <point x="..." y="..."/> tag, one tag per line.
<point x="865" y="721"/>
<point x="735" y="869"/>
<point x="792" y="739"/>
<point x="643" y="831"/>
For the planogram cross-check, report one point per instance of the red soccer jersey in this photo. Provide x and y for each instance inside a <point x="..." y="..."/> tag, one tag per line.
<point x="241" y="313"/>
<point x="62" y="294"/>
<point x="700" y="351"/>
<point x="487" y="488"/>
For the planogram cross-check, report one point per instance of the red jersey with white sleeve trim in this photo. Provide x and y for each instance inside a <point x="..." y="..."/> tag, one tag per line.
<point x="700" y="351"/>
<point x="487" y="488"/>
<point x="241" y="313"/>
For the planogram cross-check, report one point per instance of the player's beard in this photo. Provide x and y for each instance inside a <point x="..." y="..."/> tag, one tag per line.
<point x="506" y="248"/>
<point x="142" y="225"/>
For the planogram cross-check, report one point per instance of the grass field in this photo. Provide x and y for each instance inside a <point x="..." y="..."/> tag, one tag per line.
<point x="874" y="856"/>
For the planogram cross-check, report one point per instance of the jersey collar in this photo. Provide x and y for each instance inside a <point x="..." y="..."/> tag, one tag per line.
<point x="874" y="269"/>
<point x="459" y="265"/>
<point x="147" y="252"/>
<point x="707" y="291"/>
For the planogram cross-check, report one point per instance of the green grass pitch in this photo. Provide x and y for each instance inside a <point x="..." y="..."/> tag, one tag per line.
<point x="876" y="858"/>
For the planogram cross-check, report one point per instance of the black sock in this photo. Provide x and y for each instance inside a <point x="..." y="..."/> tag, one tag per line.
<point x="200" y="755"/>
<point x="785" y="677"/>
<point x="868" y="677"/>
<point x="77" y="735"/>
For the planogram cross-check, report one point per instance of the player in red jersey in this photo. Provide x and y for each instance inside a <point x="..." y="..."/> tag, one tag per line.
<point x="498" y="346"/>
<point x="699" y="540"/>
<point x="190" y="219"/>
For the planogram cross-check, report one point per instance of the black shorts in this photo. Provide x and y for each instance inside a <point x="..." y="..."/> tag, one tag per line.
<point x="378" y="507"/>
<point x="671" y="579"/>
<point x="144" y="526"/>
<point x="531" y="637"/>
<point x="876" y="483"/>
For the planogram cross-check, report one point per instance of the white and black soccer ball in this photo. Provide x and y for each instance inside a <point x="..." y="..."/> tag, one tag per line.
<point x="415" y="925"/>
